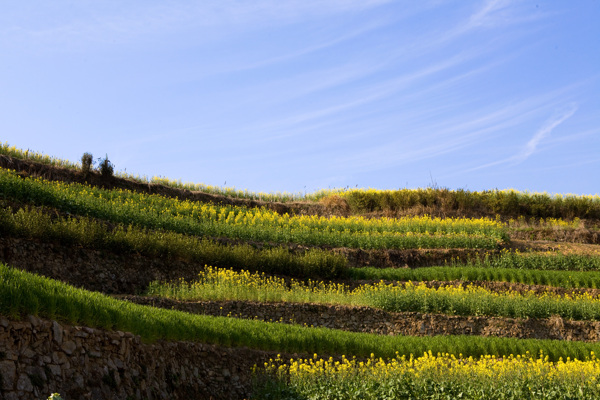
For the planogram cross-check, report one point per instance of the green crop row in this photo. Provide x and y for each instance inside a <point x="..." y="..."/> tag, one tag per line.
<point x="479" y="301"/>
<point x="87" y="232"/>
<point x="23" y="293"/>
<point x="226" y="284"/>
<point x="158" y="212"/>
<point x="541" y="261"/>
<point x="564" y="279"/>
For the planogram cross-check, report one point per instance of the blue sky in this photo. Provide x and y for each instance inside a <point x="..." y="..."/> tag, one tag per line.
<point x="272" y="95"/>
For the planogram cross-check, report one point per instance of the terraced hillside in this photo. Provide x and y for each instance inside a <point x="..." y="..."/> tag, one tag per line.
<point x="116" y="288"/>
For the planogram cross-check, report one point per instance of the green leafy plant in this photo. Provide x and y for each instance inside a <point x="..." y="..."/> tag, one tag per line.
<point x="105" y="167"/>
<point x="87" y="160"/>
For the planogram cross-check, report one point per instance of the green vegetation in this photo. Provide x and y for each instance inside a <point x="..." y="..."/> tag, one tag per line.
<point x="566" y="279"/>
<point x="544" y="261"/>
<point x="87" y="160"/>
<point x="478" y="301"/>
<point x="84" y="231"/>
<point x="158" y="212"/>
<point x="105" y="167"/>
<point x="508" y="203"/>
<point x="13" y="151"/>
<point x="431" y="377"/>
<point x="220" y="284"/>
<point x="259" y="240"/>
<point x="23" y="293"/>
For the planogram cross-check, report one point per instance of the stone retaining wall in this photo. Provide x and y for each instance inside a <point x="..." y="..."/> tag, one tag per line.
<point x="97" y="270"/>
<point x="39" y="357"/>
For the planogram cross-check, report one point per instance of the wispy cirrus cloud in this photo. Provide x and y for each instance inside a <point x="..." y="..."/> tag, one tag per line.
<point x="532" y="145"/>
<point x="543" y="132"/>
<point x="113" y="21"/>
<point x="493" y="14"/>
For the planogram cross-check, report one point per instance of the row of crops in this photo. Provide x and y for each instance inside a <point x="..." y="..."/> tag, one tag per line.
<point x="554" y="269"/>
<point x="510" y="203"/>
<point x="226" y="284"/>
<point x="259" y="224"/>
<point x="280" y="271"/>
<point x="442" y="376"/>
<point x="24" y="293"/>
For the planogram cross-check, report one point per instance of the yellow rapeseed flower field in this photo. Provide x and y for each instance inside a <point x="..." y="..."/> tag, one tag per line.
<point x="434" y="376"/>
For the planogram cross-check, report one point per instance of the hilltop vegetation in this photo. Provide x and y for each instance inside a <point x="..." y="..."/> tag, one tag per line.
<point x="433" y="201"/>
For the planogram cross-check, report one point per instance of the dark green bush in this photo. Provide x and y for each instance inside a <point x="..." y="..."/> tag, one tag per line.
<point x="105" y="167"/>
<point x="87" y="160"/>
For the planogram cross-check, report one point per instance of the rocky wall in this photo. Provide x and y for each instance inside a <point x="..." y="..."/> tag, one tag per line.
<point x="97" y="270"/>
<point x="40" y="356"/>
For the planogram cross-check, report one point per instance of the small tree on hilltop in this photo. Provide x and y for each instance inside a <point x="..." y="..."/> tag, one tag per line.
<point x="86" y="163"/>
<point x="105" y="167"/>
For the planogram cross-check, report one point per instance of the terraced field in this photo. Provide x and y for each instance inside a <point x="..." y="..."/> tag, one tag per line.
<point x="355" y="294"/>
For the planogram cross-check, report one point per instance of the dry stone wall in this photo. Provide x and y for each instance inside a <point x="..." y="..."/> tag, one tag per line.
<point x="40" y="356"/>
<point x="96" y="270"/>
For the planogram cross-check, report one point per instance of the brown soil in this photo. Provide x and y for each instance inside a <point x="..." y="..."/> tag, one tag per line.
<point x="567" y="235"/>
<point x="371" y="320"/>
<point x="550" y="246"/>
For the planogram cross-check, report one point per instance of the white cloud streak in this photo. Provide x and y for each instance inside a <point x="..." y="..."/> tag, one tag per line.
<point x="543" y="132"/>
<point x="531" y="146"/>
<point x="114" y="22"/>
